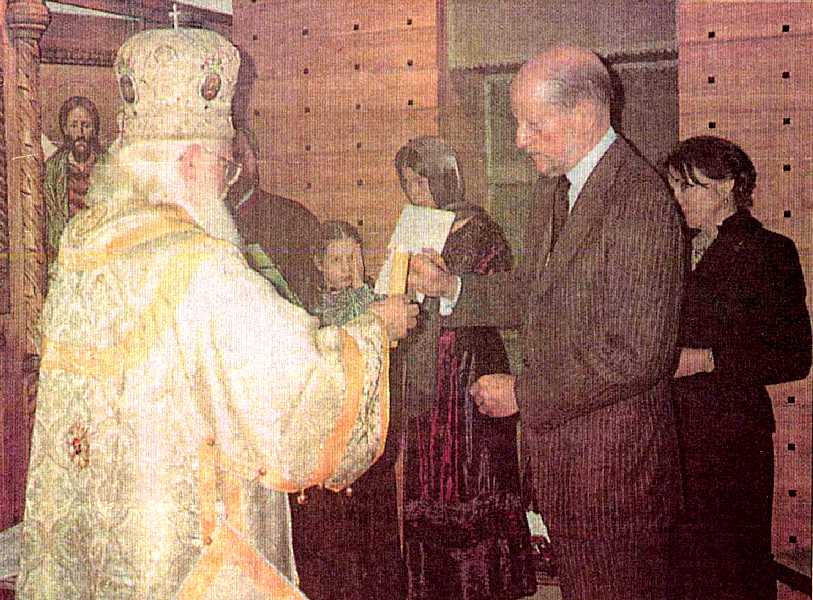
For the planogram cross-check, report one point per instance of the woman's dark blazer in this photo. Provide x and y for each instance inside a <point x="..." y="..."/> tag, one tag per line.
<point x="745" y="301"/>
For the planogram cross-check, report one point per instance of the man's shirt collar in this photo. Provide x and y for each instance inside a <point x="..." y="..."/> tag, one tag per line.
<point x="577" y="176"/>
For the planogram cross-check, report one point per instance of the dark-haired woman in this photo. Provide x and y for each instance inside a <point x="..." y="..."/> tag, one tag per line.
<point x="465" y="533"/>
<point x="744" y="325"/>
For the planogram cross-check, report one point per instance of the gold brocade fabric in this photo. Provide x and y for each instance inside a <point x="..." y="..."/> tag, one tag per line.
<point x="179" y="397"/>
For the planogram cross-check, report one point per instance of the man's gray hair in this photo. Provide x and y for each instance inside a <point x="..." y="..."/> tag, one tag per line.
<point x="572" y="84"/>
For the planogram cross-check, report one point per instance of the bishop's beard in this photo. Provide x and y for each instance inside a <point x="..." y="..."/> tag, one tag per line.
<point x="215" y="219"/>
<point x="149" y="170"/>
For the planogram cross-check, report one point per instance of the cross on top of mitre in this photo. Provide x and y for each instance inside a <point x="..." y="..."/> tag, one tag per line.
<point x="174" y="14"/>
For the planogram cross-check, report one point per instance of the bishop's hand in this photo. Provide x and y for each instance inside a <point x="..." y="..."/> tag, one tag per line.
<point x="397" y="314"/>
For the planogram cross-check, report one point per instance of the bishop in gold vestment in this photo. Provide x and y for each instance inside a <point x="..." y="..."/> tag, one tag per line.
<point x="180" y="396"/>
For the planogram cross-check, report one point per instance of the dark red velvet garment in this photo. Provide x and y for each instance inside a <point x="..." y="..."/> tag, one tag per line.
<point x="465" y="530"/>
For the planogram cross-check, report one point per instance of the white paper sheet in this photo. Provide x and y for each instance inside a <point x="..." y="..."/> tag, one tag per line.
<point x="418" y="227"/>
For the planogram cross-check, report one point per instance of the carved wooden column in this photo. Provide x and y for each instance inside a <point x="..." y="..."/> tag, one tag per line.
<point x="26" y="21"/>
<point x="5" y="239"/>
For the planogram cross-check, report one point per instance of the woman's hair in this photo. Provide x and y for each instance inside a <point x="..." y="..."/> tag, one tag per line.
<point x="331" y="231"/>
<point x="432" y="158"/>
<point x="718" y="159"/>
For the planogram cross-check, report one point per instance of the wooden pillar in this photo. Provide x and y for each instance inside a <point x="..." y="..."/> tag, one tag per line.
<point x="26" y="21"/>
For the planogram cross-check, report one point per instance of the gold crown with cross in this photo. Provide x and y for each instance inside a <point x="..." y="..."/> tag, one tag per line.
<point x="176" y="84"/>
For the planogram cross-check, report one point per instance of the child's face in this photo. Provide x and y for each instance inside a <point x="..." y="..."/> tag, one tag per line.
<point x="340" y="264"/>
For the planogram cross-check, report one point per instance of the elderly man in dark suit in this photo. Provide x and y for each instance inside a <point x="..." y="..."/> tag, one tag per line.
<point x="596" y="298"/>
<point x="281" y="227"/>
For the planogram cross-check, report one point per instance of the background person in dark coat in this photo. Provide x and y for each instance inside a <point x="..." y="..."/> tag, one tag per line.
<point x="597" y="300"/>
<point x="282" y="227"/>
<point x="744" y="325"/>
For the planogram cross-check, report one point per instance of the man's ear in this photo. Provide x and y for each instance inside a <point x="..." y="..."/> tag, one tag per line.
<point x="585" y="115"/>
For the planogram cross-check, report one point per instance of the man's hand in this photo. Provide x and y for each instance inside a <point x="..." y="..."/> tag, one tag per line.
<point x="494" y="395"/>
<point x="398" y="315"/>
<point x="694" y="360"/>
<point x="428" y="274"/>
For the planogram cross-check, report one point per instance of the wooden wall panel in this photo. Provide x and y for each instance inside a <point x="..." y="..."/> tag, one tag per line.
<point x="737" y="20"/>
<point x="738" y="68"/>
<point x="372" y="52"/>
<point x="294" y="20"/>
<point x="745" y="74"/>
<point x="382" y="135"/>
<point x="340" y="86"/>
<point x="339" y="95"/>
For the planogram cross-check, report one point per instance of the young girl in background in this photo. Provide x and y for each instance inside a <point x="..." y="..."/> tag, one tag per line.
<point x="337" y="255"/>
<point x="346" y="543"/>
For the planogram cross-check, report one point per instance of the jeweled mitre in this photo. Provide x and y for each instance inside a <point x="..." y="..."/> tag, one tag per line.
<point x="177" y="84"/>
